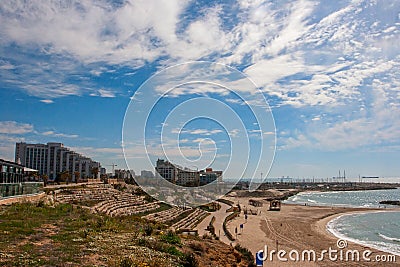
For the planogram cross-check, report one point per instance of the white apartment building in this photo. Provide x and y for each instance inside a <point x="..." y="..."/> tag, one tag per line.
<point x="53" y="158"/>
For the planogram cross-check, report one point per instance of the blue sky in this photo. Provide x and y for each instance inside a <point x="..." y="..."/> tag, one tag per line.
<point x="329" y="71"/>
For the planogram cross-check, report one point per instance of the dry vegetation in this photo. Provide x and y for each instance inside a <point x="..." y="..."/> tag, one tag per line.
<point x="65" y="234"/>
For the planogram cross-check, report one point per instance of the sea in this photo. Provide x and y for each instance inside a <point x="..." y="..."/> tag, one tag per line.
<point x="377" y="229"/>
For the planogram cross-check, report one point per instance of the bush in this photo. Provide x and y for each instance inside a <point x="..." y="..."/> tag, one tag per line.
<point x="173" y="251"/>
<point x="40" y="204"/>
<point x="126" y="262"/>
<point x="148" y="229"/>
<point x="246" y="254"/>
<point x="197" y="246"/>
<point x="190" y="260"/>
<point x="142" y="242"/>
<point x="171" y="238"/>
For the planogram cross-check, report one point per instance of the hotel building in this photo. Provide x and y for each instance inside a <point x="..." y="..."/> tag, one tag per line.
<point x="53" y="158"/>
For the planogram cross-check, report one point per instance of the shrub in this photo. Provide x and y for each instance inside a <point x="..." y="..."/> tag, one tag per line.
<point x="171" y="238"/>
<point x="196" y="246"/>
<point x="148" y="229"/>
<point x="246" y="254"/>
<point x="142" y="242"/>
<point x="206" y="236"/>
<point x="40" y="204"/>
<point x="126" y="262"/>
<point x="190" y="260"/>
<point x="173" y="251"/>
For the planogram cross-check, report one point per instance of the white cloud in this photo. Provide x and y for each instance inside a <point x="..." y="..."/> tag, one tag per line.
<point x="7" y="146"/>
<point x="295" y="25"/>
<point x="316" y="119"/>
<point x="266" y="72"/>
<point x="275" y="42"/>
<point x="204" y="141"/>
<point x="334" y="56"/>
<point x="269" y="133"/>
<point x="234" y="133"/>
<point x="106" y="93"/>
<point x="5" y="65"/>
<point x="13" y="127"/>
<point x="47" y="101"/>
<point x="112" y="33"/>
<point x="375" y="126"/>
<point x="198" y="131"/>
<point x="55" y="134"/>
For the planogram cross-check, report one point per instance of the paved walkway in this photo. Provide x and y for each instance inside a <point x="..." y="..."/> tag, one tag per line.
<point x="219" y="220"/>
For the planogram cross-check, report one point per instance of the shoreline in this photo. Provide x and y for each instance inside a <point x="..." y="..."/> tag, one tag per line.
<point x="339" y="236"/>
<point x="298" y="227"/>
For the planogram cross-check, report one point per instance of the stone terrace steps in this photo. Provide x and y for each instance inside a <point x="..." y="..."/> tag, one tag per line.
<point x="191" y="220"/>
<point x="165" y="215"/>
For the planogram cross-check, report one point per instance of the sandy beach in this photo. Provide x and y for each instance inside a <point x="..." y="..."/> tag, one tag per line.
<point x="298" y="228"/>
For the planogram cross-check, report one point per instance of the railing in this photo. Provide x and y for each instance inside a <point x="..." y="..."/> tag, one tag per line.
<point x="18" y="189"/>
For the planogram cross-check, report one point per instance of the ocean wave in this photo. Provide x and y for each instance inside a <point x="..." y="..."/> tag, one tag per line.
<point x="389" y="238"/>
<point x="336" y="227"/>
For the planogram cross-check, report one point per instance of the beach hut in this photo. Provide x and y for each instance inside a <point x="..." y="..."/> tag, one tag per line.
<point x="275" y="205"/>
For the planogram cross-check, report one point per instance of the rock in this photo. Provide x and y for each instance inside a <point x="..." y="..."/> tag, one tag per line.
<point x="390" y="202"/>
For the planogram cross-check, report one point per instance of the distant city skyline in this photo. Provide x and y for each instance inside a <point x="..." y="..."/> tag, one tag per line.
<point x="330" y="71"/>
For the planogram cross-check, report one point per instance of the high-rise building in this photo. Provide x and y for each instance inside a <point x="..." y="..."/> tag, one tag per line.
<point x="53" y="158"/>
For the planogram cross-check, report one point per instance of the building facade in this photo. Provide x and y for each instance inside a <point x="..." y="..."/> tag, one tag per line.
<point x="209" y="176"/>
<point x="124" y="174"/>
<point x="167" y="170"/>
<point x="51" y="159"/>
<point x="11" y="172"/>
<point x="184" y="176"/>
<point x="13" y="180"/>
<point x="188" y="177"/>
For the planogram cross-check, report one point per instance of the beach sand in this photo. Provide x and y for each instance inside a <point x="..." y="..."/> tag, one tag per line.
<point x="297" y="228"/>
